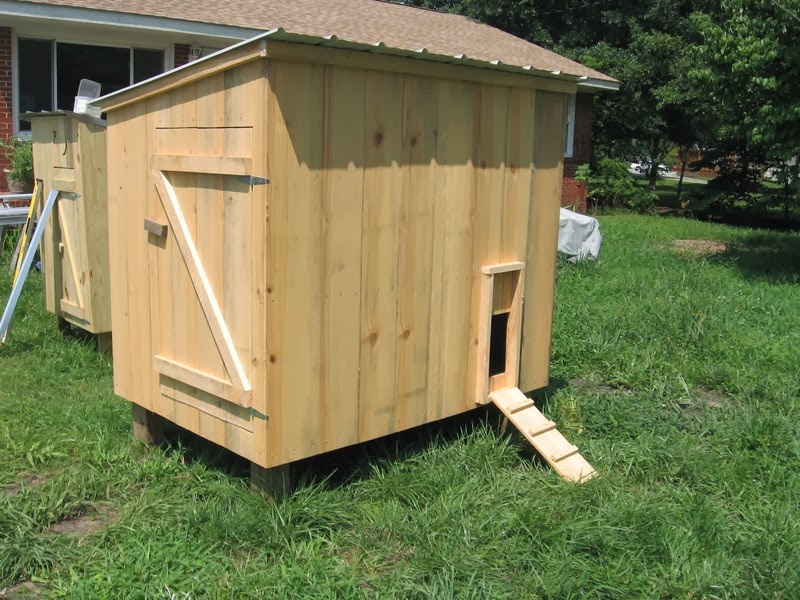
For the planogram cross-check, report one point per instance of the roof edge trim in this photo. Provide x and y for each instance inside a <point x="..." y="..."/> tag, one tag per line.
<point x="40" y="11"/>
<point x="598" y="85"/>
<point x="331" y="41"/>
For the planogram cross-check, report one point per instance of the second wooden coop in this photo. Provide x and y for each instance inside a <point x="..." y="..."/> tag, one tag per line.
<point x="69" y="155"/>
<point x="315" y="247"/>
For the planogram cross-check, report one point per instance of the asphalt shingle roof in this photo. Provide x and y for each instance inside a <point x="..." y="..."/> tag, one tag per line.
<point x="363" y="21"/>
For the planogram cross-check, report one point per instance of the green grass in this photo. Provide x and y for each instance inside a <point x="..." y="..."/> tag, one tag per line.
<point x="676" y="374"/>
<point x="667" y="190"/>
<point x="695" y="197"/>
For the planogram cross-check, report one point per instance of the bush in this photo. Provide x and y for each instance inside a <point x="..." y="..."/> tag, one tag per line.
<point x="611" y="186"/>
<point x="20" y="159"/>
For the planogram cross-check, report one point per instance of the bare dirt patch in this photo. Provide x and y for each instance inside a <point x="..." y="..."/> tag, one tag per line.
<point x="25" y="480"/>
<point x="85" y="520"/>
<point x="590" y="387"/>
<point x="699" y="246"/>
<point x="712" y="399"/>
<point x="24" y="589"/>
<point x="705" y="400"/>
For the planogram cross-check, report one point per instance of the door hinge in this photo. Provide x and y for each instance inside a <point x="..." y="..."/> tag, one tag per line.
<point x="251" y="180"/>
<point x="257" y="414"/>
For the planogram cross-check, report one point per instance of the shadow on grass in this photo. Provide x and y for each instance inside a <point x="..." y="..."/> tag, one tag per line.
<point x="24" y="342"/>
<point x="764" y="256"/>
<point x="354" y="463"/>
<point x="343" y="466"/>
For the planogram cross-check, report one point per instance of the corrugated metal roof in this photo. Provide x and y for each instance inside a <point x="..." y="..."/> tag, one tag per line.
<point x="281" y="35"/>
<point x="395" y="28"/>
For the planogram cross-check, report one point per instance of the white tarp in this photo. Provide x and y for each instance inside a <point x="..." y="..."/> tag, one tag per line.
<point x="579" y="236"/>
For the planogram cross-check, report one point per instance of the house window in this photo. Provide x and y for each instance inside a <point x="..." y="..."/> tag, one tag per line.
<point x="569" y="127"/>
<point x="35" y="67"/>
<point x="50" y="71"/>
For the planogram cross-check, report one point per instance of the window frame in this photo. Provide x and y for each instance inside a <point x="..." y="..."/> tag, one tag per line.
<point x="15" y="88"/>
<point x="569" y="126"/>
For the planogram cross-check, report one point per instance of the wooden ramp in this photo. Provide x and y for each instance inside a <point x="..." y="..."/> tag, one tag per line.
<point x="543" y="435"/>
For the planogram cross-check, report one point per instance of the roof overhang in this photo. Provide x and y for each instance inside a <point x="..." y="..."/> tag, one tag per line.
<point x="332" y="41"/>
<point x="590" y="84"/>
<point x="52" y="12"/>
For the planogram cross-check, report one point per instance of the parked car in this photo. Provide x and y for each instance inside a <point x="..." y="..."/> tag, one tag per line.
<point x="643" y="166"/>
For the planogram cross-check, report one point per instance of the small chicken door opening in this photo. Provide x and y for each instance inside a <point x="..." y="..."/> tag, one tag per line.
<point x="499" y="329"/>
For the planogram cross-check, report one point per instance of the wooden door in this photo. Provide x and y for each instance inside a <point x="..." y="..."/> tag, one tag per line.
<point x="70" y="241"/>
<point x="69" y="235"/>
<point x="200" y="271"/>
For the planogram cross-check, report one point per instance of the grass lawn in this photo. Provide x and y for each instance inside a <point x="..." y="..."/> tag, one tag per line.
<point x="676" y="372"/>
<point x="740" y="213"/>
<point x="667" y="190"/>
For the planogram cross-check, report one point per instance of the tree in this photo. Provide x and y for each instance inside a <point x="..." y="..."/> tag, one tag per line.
<point x="639" y="43"/>
<point x="750" y="68"/>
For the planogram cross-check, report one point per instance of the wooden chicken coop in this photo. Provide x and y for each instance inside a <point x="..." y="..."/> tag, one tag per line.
<point x="315" y="246"/>
<point x="69" y="155"/>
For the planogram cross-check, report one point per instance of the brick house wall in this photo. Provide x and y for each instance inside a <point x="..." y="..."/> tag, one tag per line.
<point x="6" y="119"/>
<point x="574" y="192"/>
<point x="181" y="55"/>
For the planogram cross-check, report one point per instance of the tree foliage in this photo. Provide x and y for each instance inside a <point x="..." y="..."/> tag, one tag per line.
<point x="723" y="74"/>
<point x="750" y="70"/>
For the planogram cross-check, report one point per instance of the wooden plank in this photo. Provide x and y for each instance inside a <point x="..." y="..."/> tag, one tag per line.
<point x="562" y="456"/>
<point x="521" y="405"/>
<point x="72" y="256"/>
<point x="221" y="165"/>
<point x="148" y="427"/>
<point x="565" y="453"/>
<point x="210" y="108"/>
<point x="184" y="76"/>
<point x="209" y="237"/>
<point x="78" y="227"/>
<point x="156" y="228"/>
<point x="134" y="364"/>
<point x="424" y="68"/>
<point x="519" y="160"/>
<point x="178" y="108"/>
<point x="279" y="144"/>
<point x="73" y="309"/>
<point x="201" y="140"/>
<point x="379" y="293"/>
<point x="240" y="90"/>
<point x="63" y="185"/>
<point x="94" y="196"/>
<point x="210" y="226"/>
<point x="210" y="404"/>
<point x="456" y="191"/>
<point x="343" y="194"/>
<point x="275" y="482"/>
<point x="415" y="253"/>
<point x="43" y="140"/>
<point x="549" y="426"/>
<point x="197" y="274"/>
<point x="67" y="174"/>
<point x="542" y="237"/>
<point x="484" y="328"/>
<point x="162" y="284"/>
<point x="192" y="411"/>
<point x="203" y="381"/>
<point x="299" y="94"/>
<point x="514" y="331"/>
<point x="118" y="276"/>
<point x="502" y="268"/>
<point x="260" y="247"/>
